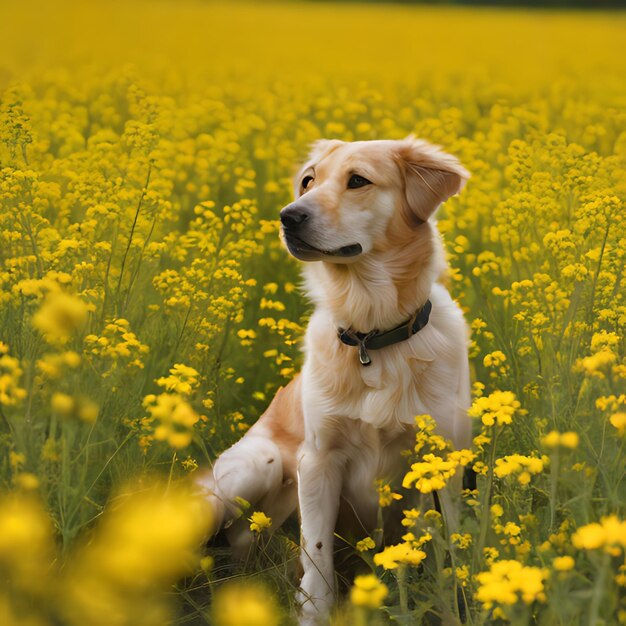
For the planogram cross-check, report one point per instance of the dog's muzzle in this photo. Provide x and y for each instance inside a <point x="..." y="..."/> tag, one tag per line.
<point x="296" y="220"/>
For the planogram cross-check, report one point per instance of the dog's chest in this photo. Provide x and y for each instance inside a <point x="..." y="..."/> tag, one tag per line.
<point x="387" y="394"/>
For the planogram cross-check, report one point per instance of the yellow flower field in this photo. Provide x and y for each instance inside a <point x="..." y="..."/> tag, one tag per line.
<point x="148" y="312"/>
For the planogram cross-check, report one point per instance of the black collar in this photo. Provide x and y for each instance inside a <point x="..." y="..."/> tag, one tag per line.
<point x="374" y="340"/>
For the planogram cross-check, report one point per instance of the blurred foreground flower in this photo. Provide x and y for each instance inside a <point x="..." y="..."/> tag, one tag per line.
<point x="554" y="439"/>
<point x="143" y="544"/>
<point x="59" y="316"/>
<point x="25" y="543"/>
<point x="175" y="418"/>
<point x="618" y="421"/>
<point x="240" y="604"/>
<point x="368" y="591"/>
<point x="609" y="534"/>
<point x="563" y="563"/>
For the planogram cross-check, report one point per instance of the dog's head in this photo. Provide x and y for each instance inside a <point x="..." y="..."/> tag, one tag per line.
<point x="354" y="198"/>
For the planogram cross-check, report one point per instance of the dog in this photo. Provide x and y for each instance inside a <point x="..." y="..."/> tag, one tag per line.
<point x="385" y="343"/>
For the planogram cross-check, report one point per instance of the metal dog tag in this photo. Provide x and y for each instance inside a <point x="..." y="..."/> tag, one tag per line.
<point x="364" y="357"/>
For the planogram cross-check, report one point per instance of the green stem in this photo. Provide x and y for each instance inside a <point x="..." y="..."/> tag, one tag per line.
<point x="136" y="270"/>
<point x="360" y="616"/>
<point x="598" y="591"/>
<point x="401" y="578"/>
<point x="33" y="242"/>
<point x="554" y="480"/>
<point x="130" y="236"/>
<point x="486" y="500"/>
<point x="595" y="278"/>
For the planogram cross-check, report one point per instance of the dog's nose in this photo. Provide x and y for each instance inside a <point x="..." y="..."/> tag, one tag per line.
<point x="292" y="216"/>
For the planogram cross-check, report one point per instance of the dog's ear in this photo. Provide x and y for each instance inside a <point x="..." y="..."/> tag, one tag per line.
<point x="319" y="149"/>
<point x="430" y="177"/>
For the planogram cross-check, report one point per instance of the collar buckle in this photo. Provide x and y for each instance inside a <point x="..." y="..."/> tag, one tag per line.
<point x="375" y="340"/>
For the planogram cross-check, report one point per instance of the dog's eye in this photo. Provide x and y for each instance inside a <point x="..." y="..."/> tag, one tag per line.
<point x="306" y="181"/>
<point x="357" y="181"/>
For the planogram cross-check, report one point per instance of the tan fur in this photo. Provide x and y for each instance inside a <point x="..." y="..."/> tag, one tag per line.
<point x="285" y="425"/>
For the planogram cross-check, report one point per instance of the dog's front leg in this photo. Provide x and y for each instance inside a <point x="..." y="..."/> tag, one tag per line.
<point x="319" y="490"/>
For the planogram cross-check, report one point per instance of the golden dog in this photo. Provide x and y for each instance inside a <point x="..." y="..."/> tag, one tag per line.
<point x="385" y="343"/>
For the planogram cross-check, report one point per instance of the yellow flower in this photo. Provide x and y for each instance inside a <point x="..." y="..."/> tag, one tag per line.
<point x="434" y="472"/>
<point x="597" y="364"/>
<point x="175" y="418"/>
<point x="142" y="544"/>
<point x="259" y="522"/>
<point x="497" y="510"/>
<point x="182" y="380"/>
<point x="604" y="339"/>
<point x="189" y="464"/>
<point x="567" y="439"/>
<point x="512" y="529"/>
<point x="16" y="460"/>
<point x="82" y="408"/>
<point x="491" y="554"/>
<point x="59" y="316"/>
<point x="368" y="592"/>
<point x="206" y="563"/>
<point x="461" y="541"/>
<point x="87" y="410"/>
<point x="570" y="440"/>
<point x="609" y="534"/>
<point x="462" y="574"/>
<point x="552" y="439"/>
<point x="26" y="540"/>
<point x="365" y="544"/>
<point x="10" y="373"/>
<point x="433" y="517"/>
<point x="400" y="554"/>
<point x="410" y="517"/>
<point x="27" y="481"/>
<point x="498" y="407"/>
<point x="618" y="420"/>
<point x="508" y="582"/>
<point x="385" y="495"/>
<point x="238" y="604"/>
<point x="563" y="563"/>
<point x="518" y="464"/>
<point x="494" y="359"/>
<point x="62" y="404"/>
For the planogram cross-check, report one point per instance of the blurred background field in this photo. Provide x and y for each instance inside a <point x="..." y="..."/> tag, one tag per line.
<point x="148" y="312"/>
<point x="305" y="41"/>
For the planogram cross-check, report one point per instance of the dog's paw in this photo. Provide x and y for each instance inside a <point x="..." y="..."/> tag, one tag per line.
<point x="314" y="611"/>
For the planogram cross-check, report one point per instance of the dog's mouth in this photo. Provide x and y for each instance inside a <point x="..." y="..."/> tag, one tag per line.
<point x="306" y="252"/>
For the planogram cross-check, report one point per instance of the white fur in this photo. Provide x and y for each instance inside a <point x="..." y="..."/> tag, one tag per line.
<point x="427" y="374"/>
